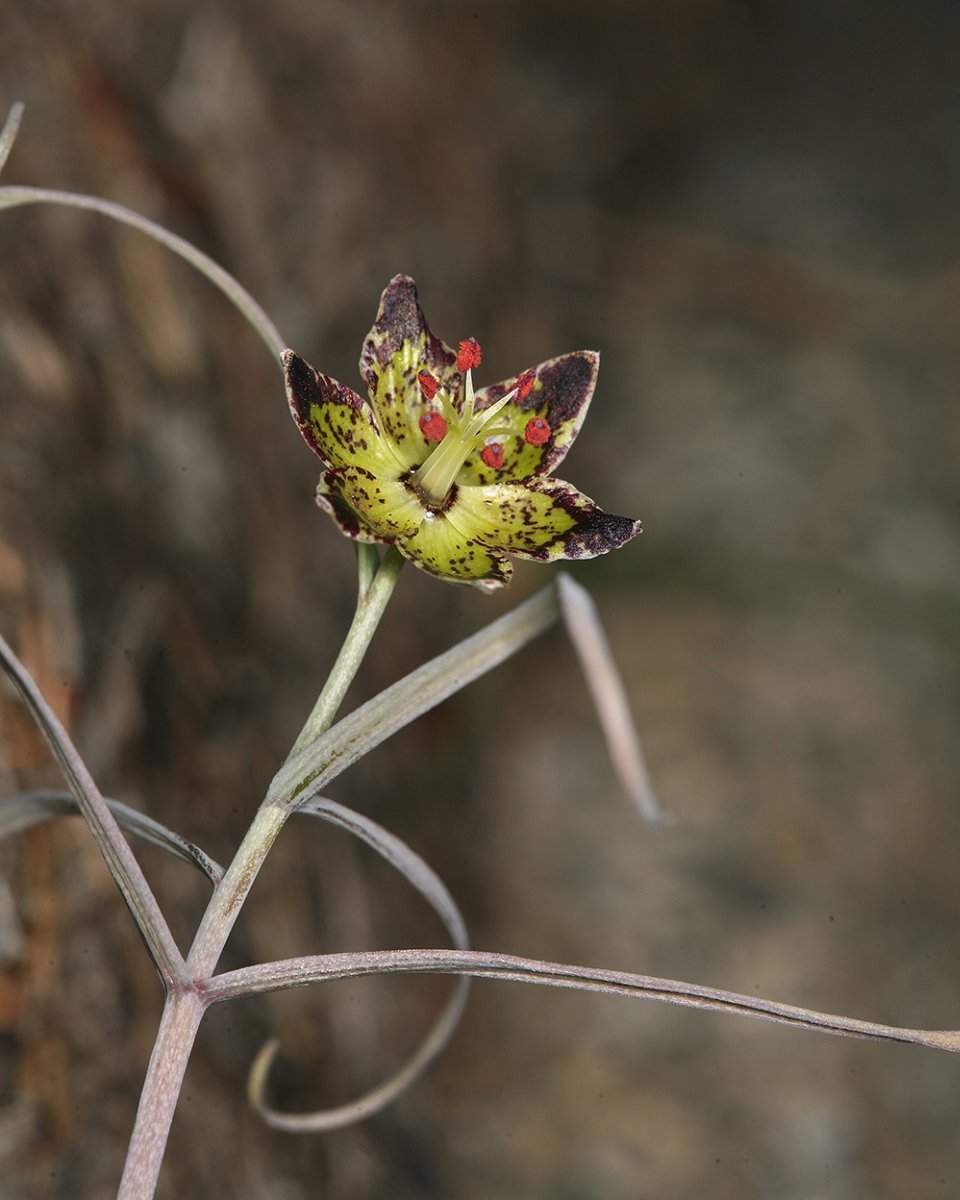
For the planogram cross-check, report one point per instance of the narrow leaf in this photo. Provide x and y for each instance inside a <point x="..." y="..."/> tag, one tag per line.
<point x="27" y="809"/>
<point x="8" y="134"/>
<point x="297" y="972"/>
<point x="12" y="197"/>
<point x="609" y="696"/>
<point x="117" y="854"/>
<point x="432" y="888"/>
<point x="347" y="741"/>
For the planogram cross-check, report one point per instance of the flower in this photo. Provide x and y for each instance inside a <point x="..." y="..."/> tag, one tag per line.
<point x="455" y="479"/>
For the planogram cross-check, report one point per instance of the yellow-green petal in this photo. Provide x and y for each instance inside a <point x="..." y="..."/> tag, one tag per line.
<point x="385" y="509"/>
<point x="560" y="396"/>
<point x="542" y="519"/>
<point x="335" y="422"/>
<point x="399" y="346"/>
<point x="439" y="548"/>
<point x="347" y="520"/>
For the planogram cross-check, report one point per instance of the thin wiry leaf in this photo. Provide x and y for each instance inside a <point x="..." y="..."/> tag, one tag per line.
<point x="117" y="854"/>
<point x="9" y="132"/>
<point x="330" y="754"/>
<point x="372" y="723"/>
<point x="609" y="696"/>
<point x="298" y="972"/>
<point x="13" y="197"/>
<point x="431" y="887"/>
<point x="27" y="809"/>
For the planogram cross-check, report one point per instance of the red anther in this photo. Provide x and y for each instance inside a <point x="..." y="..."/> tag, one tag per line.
<point x="525" y="384"/>
<point x="433" y="427"/>
<point x="428" y="385"/>
<point x="492" y="455"/>
<point x="469" y="355"/>
<point x="536" y="432"/>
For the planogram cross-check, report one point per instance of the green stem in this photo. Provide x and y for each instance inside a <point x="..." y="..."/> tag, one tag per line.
<point x="226" y="902"/>
<point x="228" y="899"/>
<point x="390" y="710"/>
<point x="370" y="606"/>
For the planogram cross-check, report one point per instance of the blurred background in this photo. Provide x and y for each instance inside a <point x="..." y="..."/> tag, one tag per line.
<point x="751" y="209"/>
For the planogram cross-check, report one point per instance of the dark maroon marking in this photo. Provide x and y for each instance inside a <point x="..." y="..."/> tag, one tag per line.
<point x="598" y="533"/>
<point x="566" y="384"/>
<point x="307" y="387"/>
<point x="401" y="320"/>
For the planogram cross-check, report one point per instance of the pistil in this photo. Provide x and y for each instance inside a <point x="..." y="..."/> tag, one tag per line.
<point x="466" y="431"/>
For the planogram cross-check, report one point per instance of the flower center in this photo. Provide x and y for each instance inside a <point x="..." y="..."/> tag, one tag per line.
<point x="458" y="433"/>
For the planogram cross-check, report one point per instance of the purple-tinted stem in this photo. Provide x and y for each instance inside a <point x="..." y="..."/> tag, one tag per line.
<point x="182" y="1014"/>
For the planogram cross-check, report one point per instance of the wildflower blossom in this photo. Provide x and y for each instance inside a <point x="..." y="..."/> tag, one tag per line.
<point x="457" y="479"/>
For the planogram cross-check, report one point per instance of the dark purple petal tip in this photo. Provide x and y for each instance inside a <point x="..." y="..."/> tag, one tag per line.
<point x="600" y="533"/>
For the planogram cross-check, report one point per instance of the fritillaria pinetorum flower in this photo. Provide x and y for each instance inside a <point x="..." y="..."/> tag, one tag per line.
<point x="456" y="479"/>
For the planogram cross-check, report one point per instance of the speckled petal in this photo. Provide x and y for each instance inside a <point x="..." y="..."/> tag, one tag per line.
<point x="543" y="519"/>
<point x="346" y="519"/>
<point x="398" y="347"/>
<point x="335" y="422"/>
<point x="368" y="507"/>
<point x="560" y="396"/>
<point x="440" y="549"/>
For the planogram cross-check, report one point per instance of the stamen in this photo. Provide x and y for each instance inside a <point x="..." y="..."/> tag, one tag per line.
<point x="480" y="422"/>
<point x="492" y="455"/>
<point x="428" y="385"/>
<point x="469" y="355"/>
<point x="537" y="432"/>
<point x="433" y="426"/>
<point x="461" y="433"/>
<point x="524" y="385"/>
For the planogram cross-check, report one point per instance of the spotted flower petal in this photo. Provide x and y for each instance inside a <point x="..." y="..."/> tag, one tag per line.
<point x="335" y="422"/>
<point x="398" y="347"/>
<point x="456" y="479"/>
<point x="386" y="509"/>
<point x="441" y="549"/>
<point x="559" y="398"/>
<point x="543" y="519"/>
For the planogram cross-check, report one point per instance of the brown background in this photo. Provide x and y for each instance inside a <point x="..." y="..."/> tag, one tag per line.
<point x="751" y="209"/>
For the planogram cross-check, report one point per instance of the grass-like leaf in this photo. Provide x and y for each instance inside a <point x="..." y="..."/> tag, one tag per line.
<point x="117" y="854"/>
<point x="372" y="723"/>
<point x="609" y="696"/>
<point x="433" y="890"/>
<point x="298" y="972"/>
<point x="8" y="134"/>
<point x="27" y="809"/>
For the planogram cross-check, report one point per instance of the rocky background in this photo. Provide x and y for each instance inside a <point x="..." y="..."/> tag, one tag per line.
<point x="751" y="209"/>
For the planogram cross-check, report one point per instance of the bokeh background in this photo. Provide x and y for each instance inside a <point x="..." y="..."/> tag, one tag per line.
<point x="751" y="209"/>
